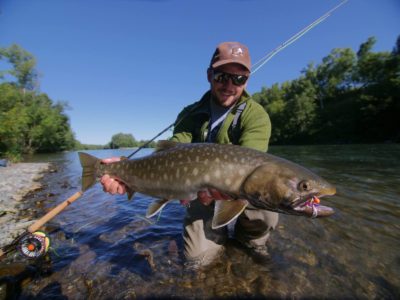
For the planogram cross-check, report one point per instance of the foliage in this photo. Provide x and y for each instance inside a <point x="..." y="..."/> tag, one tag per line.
<point x="348" y="98"/>
<point x="23" y="66"/>
<point x="29" y="121"/>
<point x="122" y="140"/>
<point x="119" y="140"/>
<point x="79" y="146"/>
<point x="152" y="144"/>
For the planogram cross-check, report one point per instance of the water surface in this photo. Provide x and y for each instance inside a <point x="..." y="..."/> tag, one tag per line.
<point x="103" y="247"/>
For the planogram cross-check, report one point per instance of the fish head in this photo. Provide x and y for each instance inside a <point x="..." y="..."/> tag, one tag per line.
<point x="288" y="188"/>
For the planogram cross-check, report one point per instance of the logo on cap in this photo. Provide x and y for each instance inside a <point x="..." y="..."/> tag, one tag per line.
<point x="237" y="51"/>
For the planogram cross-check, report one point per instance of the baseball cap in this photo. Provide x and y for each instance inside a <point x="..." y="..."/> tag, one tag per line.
<point x="231" y="52"/>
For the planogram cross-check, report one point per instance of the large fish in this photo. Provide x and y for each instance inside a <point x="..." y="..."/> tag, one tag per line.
<point x="248" y="177"/>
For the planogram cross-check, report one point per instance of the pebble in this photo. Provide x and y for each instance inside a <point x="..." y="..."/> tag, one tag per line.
<point x="16" y="181"/>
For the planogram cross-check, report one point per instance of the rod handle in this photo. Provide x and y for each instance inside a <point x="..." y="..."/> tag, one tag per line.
<point x="54" y="212"/>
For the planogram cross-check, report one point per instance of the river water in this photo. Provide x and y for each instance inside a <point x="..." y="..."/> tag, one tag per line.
<point x="102" y="247"/>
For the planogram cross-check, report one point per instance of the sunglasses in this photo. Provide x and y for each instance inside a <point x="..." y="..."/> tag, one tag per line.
<point x="222" y="77"/>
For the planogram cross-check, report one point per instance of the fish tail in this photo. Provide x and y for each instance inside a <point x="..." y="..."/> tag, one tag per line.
<point x="89" y="164"/>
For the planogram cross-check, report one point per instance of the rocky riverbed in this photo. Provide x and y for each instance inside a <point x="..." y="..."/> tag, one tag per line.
<point x="16" y="181"/>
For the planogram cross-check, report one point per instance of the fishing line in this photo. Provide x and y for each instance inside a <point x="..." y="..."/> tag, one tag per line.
<point x="149" y="141"/>
<point x="258" y="65"/>
<point x="294" y="38"/>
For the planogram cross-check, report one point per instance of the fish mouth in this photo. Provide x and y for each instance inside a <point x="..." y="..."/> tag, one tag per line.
<point x="312" y="208"/>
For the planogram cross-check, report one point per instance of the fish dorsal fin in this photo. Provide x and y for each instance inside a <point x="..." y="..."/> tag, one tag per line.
<point x="156" y="206"/>
<point x="165" y="144"/>
<point x="225" y="211"/>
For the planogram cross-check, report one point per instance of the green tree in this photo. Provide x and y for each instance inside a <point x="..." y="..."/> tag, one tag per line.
<point x="23" y="64"/>
<point x="49" y="129"/>
<point x="396" y="48"/>
<point x="334" y="75"/>
<point x="302" y="107"/>
<point x="348" y="97"/>
<point x="365" y="48"/>
<point x="378" y="75"/>
<point x="274" y="102"/>
<point x="152" y="144"/>
<point x="29" y="121"/>
<point x="13" y="120"/>
<point x="121" y="140"/>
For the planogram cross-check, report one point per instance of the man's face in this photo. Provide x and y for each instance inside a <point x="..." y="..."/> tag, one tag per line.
<point x="226" y="93"/>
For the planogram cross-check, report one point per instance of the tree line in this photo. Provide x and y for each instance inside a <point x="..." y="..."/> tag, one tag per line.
<point x="31" y="122"/>
<point x="119" y="140"/>
<point x="348" y="98"/>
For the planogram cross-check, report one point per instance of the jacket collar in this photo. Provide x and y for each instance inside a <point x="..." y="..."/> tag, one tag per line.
<point x="204" y="103"/>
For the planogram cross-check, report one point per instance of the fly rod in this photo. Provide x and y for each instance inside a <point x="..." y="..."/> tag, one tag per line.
<point x="33" y="243"/>
<point x="258" y="65"/>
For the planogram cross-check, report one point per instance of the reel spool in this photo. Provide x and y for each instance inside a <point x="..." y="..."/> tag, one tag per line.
<point x="34" y="245"/>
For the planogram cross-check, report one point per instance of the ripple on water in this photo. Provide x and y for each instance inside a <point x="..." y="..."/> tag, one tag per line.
<point x="105" y="245"/>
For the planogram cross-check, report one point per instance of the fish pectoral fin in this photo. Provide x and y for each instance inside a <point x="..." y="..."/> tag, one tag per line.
<point x="225" y="211"/>
<point x="129" y="193"/>
<point x="156" y="206"/>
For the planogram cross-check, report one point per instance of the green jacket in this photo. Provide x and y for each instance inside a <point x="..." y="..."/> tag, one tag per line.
<point x="253" y="129"/>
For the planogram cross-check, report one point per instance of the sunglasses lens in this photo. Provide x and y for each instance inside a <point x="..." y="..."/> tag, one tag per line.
<point x="222" y="77"/>
<point x="239" y="79"/>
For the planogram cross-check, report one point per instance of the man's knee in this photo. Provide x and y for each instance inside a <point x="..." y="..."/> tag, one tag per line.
<point x="255" y="224"/>
<point x="198" y="247"/>
<point x="201" y="241"/>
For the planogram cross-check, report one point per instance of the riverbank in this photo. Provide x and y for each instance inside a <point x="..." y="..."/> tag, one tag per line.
<point x="16" y="181"/>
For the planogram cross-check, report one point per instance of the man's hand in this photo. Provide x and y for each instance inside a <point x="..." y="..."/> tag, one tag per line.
<point x="111" y="185"/>
<point x="207" y="196"/>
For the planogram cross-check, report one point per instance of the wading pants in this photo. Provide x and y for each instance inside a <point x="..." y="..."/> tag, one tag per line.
<point x="203" y="244"/>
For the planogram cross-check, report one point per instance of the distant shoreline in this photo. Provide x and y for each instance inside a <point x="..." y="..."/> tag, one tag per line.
<point x="16" y="181"/>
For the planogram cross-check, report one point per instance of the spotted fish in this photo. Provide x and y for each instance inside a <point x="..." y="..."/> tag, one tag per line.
<point x="249" y="177"/>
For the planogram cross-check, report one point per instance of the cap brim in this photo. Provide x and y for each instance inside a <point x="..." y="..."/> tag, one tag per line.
<point x="230" y="61"/>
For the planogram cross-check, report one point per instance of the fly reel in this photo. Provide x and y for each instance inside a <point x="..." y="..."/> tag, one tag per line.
<point x="34" y="245"/>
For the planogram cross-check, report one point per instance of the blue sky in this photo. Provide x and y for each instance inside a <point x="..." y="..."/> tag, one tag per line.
<point x="131" y="65"/>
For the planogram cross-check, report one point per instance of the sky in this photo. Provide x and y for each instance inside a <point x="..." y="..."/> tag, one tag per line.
<point x="130" y="66"/>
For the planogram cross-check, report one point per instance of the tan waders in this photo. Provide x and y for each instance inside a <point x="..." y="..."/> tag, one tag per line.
<point x="203" y="244"/>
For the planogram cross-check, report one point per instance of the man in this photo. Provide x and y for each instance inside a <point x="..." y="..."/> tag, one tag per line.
<point x="225" y="114"/>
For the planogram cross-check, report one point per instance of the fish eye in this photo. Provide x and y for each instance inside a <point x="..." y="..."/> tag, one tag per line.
<point x="304" y="186"/>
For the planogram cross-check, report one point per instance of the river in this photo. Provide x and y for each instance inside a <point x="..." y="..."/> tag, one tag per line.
<point x="102" y="247"/>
